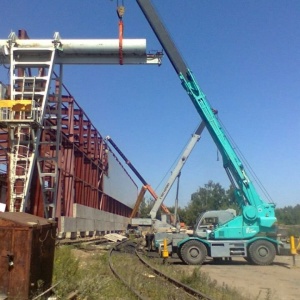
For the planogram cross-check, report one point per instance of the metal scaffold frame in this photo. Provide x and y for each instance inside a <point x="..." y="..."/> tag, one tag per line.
<point x="55" y="156"/>
<point x="30" y="81"/>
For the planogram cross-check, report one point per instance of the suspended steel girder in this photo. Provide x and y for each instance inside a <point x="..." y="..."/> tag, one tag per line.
<point x="84" y="51"/>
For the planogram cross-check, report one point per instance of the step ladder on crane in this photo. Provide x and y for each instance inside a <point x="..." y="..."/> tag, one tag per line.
<point x="30" y="113"/>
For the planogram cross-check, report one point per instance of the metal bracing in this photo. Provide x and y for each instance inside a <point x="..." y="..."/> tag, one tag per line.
<point x="54" y="155"/>
<point x="49" y="152"/>
<point x="30" y="82"/>
<point x="20" y="165"/>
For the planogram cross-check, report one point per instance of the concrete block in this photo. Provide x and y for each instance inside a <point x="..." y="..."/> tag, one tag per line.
<point x="107" y="216"/>
<point x="68" y="224"/>
<point x="90" y="219"/>
<point x="75" y="206"/>
<point x="97" y="214"/>
<point x="109" y="226"/>
<point x="111" y="217"/>
<point x="84" y="224"/>
<point x="99" y="225"/>
<point x="82" y="211"/>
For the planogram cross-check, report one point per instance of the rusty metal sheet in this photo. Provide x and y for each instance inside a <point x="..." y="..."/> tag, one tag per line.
<point x="24" y="219"/>
<point x="26" y="254"/>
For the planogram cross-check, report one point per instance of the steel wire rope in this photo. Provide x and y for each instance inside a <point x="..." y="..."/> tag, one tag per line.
<point x="245" y="161"/>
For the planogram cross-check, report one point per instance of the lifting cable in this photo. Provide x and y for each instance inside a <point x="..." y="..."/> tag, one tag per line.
<point x="120" y="12"/>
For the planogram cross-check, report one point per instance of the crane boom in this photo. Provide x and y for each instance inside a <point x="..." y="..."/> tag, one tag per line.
<point x="146" y="187"/>
<point x="163" y="37"/>
<point x="127" y="161"/>
<point x="176" y="172"/>
<point x="257" y="215"/>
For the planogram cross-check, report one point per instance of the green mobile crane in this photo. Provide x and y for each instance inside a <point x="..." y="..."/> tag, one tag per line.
<point x="252" y="233"/>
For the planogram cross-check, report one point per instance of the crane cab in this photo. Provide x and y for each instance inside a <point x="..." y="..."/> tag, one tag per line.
<point x="209" y="220"/>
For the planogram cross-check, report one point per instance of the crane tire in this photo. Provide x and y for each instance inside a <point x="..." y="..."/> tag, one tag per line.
<point x="262" y="252"/>
<point x="193" y="252"/>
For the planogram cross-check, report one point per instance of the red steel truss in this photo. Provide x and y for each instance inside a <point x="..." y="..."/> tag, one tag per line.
<point x="83" y="161"/>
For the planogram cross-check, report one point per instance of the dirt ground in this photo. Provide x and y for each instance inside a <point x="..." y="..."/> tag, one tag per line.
<point x="280" y="281"/>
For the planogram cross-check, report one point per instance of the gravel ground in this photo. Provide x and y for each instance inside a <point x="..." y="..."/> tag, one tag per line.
<point x="279" y="281"/>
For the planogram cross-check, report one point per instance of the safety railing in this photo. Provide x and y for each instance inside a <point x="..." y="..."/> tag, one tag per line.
<point x="19" y="110"/>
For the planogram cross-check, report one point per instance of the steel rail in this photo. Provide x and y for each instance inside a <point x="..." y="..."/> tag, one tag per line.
<point x="114" y="271"/>
<point x="186" y="288"/>
<point x="190" y="291"/>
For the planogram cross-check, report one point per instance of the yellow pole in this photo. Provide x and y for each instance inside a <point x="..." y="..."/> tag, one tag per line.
<point x="293" y="249"/>
<point x="165" y="252"/>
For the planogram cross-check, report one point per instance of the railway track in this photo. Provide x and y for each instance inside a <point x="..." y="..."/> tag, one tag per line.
<point x="143" y="279"/>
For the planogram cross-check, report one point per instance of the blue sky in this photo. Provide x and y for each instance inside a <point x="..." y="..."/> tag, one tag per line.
<point x="245" y="56"/>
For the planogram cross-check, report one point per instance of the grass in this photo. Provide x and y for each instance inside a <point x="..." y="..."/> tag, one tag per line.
<point x="89" y="274"/>
<point x="91" y="277"/>
<point x="201" y="281"/>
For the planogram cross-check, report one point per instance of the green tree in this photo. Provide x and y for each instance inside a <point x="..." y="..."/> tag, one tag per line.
<point x="230" y="198"/>
<point x="214" y="197"/>
<point x="288" y="215"/>
<point x="210" y="197"/>
<point x="145" y="208"/>
<point x="181" y="213"/>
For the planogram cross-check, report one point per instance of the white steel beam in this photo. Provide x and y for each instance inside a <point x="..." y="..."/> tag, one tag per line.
<point x="84" y="51"/>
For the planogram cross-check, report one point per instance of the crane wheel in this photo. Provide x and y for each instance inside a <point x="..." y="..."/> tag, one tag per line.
<point x="193" y="252"/>
<point x="262" y="252"/>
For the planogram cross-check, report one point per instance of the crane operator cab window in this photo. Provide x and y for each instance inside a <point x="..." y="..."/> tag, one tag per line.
<point x="210" y="220"/>
<point x="205" y="225"/>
